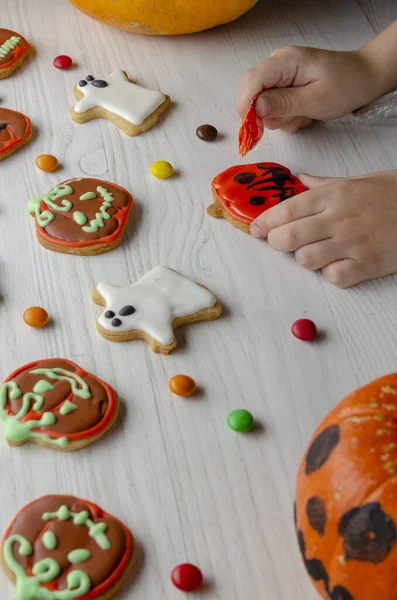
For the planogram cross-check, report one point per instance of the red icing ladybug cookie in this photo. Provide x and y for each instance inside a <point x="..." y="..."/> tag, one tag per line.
<point x="15" y="131"/>
<point x="14" y="49"/>
<point x="243" y="192"/>
<point x="55" y="403"/>
<point x="60" y="547"/>
<point x="83" y="216"/>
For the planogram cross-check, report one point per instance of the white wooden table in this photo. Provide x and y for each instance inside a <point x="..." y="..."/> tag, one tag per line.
<point x="188" y="487"/>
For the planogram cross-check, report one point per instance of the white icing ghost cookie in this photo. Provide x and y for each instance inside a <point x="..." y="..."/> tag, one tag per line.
<point x="132" y="108"/>
<point x="153" y="307"/>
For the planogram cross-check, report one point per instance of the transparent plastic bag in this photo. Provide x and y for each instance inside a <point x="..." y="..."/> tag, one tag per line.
<point x="380" y="112"/>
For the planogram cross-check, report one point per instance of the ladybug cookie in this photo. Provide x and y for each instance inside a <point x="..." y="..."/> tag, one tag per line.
<point x="15" y="131"/>
<point x="61" y="547"/>
<point x="84" y="216"/>
<point x="14" y="49"/>
<point x="243" y="192"/>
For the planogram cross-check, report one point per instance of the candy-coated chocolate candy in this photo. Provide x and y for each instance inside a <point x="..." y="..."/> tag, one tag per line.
<point x="162" y="169"/>
<point x="182" y="385"/>
<point x="240" y="420"/>
<point x="207" y="133"/>
<point x="47" y="162"/>
<point x="35" y="316"/>
<point x="305" y="330"/>
<point x="62" y="62"/>
<point x="187" y="577"/>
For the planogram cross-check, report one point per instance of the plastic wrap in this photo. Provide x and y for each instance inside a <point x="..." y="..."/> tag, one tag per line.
<point x="380" y="112"/>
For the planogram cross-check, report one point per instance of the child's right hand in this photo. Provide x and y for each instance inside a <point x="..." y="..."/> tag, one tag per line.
<point x="300" y="84"/>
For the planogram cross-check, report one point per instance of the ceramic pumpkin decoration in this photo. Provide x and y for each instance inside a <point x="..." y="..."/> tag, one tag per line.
<point x="346" y="497"/>
<point x="164" y="17"/>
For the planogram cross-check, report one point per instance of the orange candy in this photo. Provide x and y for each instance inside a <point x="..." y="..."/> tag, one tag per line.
<point x="47" y="162"/>
<point x="35" y="316"/>
<point x="182" y="385"/>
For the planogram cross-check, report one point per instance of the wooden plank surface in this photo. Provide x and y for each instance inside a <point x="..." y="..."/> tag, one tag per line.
<point x="189" y="488"/>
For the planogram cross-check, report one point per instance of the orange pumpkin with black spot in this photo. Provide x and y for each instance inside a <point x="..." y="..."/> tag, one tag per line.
<point x="346" y="497"/>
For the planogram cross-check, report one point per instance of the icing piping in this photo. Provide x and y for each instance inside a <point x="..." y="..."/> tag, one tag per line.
<point x="13" y="120"/>
<point x="42" y="386"/>
<point x="88" y="196"/>
<point x="67" y="407"/>
<point x="100" y="216"/>
<point x="50" y="540"/>
<point x="160" y="297"/>
<point x="18" y="431"/>
<point x="80" y="217"/>
<point x="129" y="101"/>
<point x="28" y="587"/>
<point x="9" y="45"/>
<point x="78" y="556"/>
<point x="95" y="530"/>
<point x="44" y="218"/>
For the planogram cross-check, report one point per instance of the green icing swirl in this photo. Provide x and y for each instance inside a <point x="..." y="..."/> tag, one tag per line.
<point x="18" y="431"/>
<point x="95" y="530"/>
<point x="28" y="587"/>
<point x="102" y="215"/>
<point x="9" y="45"/>
<point x="56" y="193"/>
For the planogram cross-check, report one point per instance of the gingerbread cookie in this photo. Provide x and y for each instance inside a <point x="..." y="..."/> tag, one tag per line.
<point x="82" y="216"/>
<point x="132" y="108"/>
<point x="15" y="131"/>
<point x="55" y="403"/>
<point x="65" y="548"/>
<point x="244" y="192"/>
<point x="14" y="49"/>
<point x="153" y="307"/>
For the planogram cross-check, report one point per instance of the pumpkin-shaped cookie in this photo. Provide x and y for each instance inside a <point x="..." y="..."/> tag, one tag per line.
<point x="15" y="131"/>
<point x="55" y="403"/>
<point x="14" y="49"/>
<point x="346" y="509"/>
<point x="62" y="548"/>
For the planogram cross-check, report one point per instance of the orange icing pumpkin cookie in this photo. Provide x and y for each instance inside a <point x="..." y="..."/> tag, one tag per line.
<point x="14" y="49"/>
<point x="60" y="547"/>
<point x="244" y="192"/>
<point x="15" y="131"/>
<point x="82" y="216"/>
<point x="55" y="403"/>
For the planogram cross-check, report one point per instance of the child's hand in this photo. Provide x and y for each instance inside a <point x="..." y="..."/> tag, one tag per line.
<point x="346" y="227"/>
<point x="312" y="84"/>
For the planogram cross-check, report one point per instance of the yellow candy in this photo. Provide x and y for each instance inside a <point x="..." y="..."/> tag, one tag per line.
<point x="161" y="169"/>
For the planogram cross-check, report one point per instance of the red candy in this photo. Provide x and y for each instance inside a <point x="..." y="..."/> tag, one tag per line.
<point x="187" y="577"/>
<point x="62" y="62"/>
<point x="304" y="330"/>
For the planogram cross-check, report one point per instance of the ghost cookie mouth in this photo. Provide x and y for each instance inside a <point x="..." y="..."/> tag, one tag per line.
<point x="84" y="216"/>
<point x="153" y="307"/>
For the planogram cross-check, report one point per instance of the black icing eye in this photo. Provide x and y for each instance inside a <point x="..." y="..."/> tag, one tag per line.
<point x="90" y="78"/>
<point x="244" y="177"/>
<point x="101" y="83"/>
<point x="257" y="200"/>
<point x="116" y="322"/>
<point x="82" y="83"/>
<point x="3" y="126"/>
<point x="126" y="310"/>
<point x="109" y="314"/>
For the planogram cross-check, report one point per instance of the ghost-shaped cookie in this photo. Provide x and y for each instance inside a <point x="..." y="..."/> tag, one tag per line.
<point x="153" y="307"/>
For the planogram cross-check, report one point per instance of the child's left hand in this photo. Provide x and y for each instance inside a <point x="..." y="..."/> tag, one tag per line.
<point x="346" y="227"/>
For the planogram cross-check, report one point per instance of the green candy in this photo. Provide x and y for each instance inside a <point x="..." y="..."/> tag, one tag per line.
<point x="240" y="420"/>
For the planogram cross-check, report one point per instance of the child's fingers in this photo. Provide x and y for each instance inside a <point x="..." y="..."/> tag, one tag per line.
<point x="311" y="181"/>
<point x="345" y="273"/>
<point x="291" y="237"/>
<point x="289" y="124"/>
<point x="319" y="254"/>
<point x="303" y="205"/>
<point x="278" y="68"/>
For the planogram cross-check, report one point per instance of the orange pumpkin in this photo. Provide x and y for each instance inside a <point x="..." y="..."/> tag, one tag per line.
<point x="164" y="17"/>
<point x="346" y="498"/>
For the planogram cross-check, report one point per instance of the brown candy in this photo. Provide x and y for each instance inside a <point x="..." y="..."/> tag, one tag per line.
<point x="207" y="133"/>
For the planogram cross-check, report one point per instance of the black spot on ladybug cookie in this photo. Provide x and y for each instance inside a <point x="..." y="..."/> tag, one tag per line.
<point x="244" y="177"/>
<point x="317" y="514"/>
<point x="321" y="449"/>
<point x="369" y="534"/>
